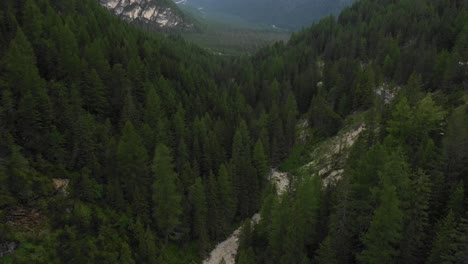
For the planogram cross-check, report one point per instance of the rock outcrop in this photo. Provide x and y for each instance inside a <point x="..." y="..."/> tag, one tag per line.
<point x="7" y="248"/>
<point x="227" y="250"/>
<point x="157" y="14"/>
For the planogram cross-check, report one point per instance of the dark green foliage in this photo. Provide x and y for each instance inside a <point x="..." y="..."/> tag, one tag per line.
<point x="90" y="104"/>
<point x="326" y="253"/>
<point x="167" y="208"/>
<point x="455" y="146"/>
<point x="413" y="248"/>
<point x="167" y="148"/>
<point x="380" y="242"/>
<point x="443" y="241"/>
<point x="226" y="199"/>
<point x="200" y="214"/>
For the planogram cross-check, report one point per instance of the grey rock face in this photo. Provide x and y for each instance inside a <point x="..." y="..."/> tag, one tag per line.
<point x="153" y="12"/>
<point x="7" y="248"/>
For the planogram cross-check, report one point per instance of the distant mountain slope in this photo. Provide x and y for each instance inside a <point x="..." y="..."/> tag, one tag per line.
<point x="283" y="13"/>
<point x="160" y="14"/>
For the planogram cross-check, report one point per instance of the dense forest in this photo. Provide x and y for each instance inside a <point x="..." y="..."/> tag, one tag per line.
<point x="158" y="149"/>
<point x="402" y="197"/>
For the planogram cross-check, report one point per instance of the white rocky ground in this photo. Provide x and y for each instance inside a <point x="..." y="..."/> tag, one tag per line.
<point x="329" y="157"/>
<point x="227" y="249"/>
<point x="281" y="181"/>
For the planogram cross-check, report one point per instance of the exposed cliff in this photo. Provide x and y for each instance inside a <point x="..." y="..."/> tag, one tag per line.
<point x="156" y="14"/>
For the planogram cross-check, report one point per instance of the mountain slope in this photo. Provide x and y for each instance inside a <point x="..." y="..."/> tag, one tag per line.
<point x="121" y="133"/>
<point x="160" y="14"/>
<point x="123" y="146"/>
<point x="395" y="196"/>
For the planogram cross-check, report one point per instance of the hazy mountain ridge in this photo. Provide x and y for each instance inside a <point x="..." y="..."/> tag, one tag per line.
<point x="289" y="13"/>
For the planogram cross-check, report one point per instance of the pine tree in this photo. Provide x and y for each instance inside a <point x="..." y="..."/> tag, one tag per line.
<point x="364" y="91"/>
<point x="241" y="170"/>
<point x="260" y="162"/>
<point x="290" y="114"/>
<point x="384" y="234"/>
<point x="94" y="93"/>
<point x="455" y="147"/>
<point x="147" y="251"/>
<point x="460" y="247"/>
<point x="200" y="211"/>
<point x="456" y="202"/>
<point x="226" y="198"/>
<point x="153" y="109"/>
<point x="323" y="119"/>
<point x="326" y="253"/>
<point x="19" y="178"/>
<point x="19" y="66"/>
<point x="214" y="208"/>
<point x="167" y="207"/>
<point x="126" y="254"/>
<point x="277" y="139"/>
<point x="32" y="21"/>
<point x="132" y="161"/>
<point x="413" y="248"/>
<point x="442" y="244"/>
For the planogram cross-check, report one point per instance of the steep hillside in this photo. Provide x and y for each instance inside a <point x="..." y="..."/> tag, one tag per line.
<point x="390" y="186"/>
<point x="117" y="145"/>
<point x="123" y="146"/>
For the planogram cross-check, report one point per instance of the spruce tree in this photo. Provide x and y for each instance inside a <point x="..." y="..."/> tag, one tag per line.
<point x="241" y="170"/>
<point x="167" y="206"/>
<point x="226" y="198"/>
<point x="200" y="211"/>
<point x="442" y="245"/>
<point x="414" y="247"/>
<point x="260" y="162"/>
<point x="132" y="161"/>
<point x="382" y="238"/>
<point x="214" y="208"/>
<point x="326" y="253"/>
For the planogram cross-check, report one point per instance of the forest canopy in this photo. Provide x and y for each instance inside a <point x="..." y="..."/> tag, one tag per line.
<point x="159" y="149"/>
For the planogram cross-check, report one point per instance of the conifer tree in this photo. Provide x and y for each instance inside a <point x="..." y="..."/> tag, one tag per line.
<point x="290" y="114"/>
<point x="32" y="21"/>
<point x="214" y="208"/>
<point x="147" y="247"/>
<point x="442" y="244"/>
<point x="460" y="247"/>
<point x="226" y="198"/>
<point x="167" y="206"/>
<point x="260" y="162"/>
<point x="200" y="211"/>
<point x="132" y="161"/>
<point x="19" y="66"/>
<point x="126" y="254"/>
<point x="326" y="253"/>
<point x="18" y="172"/>
<point x="384" y="234"/>
<point x="456" y="202"/>
<point x="414" y="247"/>
<point x="241" y="170"/>
<point x="455" y="147"/>
<point x="94" y="93"/>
